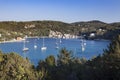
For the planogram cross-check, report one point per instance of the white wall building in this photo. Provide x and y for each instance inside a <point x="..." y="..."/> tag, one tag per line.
<point x="92" y="34"/>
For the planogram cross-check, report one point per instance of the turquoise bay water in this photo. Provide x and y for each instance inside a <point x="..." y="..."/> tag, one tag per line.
<point x="92" y="48"/>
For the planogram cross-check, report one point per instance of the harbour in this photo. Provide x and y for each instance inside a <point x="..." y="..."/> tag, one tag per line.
<point x="91" y="49"/>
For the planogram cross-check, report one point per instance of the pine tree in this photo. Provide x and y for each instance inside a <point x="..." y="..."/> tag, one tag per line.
<point x="114" y="47"/>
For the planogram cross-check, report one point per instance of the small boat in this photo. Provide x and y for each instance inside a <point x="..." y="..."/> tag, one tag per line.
<point x="25" y="48"/>
<point x="35" y="46"/>
<point x="60" y="40"/>
<point x="57" y="46"/>
<point x="83" y="44"/>
<point x="57" y="43"/>
<point x="83" y="48"/>
<point x="43" y="47"/>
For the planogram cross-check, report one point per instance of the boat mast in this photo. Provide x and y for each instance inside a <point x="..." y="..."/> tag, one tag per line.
<point x="24" y="44"/>
<point x="43" y="41"/>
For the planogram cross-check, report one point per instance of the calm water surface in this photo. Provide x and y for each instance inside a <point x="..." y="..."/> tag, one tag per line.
<point x="92" y="48"/>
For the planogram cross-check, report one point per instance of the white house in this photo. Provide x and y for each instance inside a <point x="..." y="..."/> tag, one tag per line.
<point x="92" y="34"/>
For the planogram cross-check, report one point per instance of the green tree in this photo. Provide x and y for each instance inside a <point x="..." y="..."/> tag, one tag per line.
<point x="105" y="67"/>
<point x="114" y="47"/>
<point x="14" y="67"/>
<point x="64" y="57"/>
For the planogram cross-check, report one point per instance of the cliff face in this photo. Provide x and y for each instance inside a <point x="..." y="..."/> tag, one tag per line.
<point x="56" y="34"/>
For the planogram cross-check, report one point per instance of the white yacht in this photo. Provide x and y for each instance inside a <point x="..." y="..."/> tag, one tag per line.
<point x="83" y="47"/>
<point x="57" y="43"/>
<point x="83" y="44"/>
<point x="35" y="46"/>
<point x="24" y="47"/>
<point x="43" y="47"/>
<point x="60" y="40"/>
<point x="57" y="46"/>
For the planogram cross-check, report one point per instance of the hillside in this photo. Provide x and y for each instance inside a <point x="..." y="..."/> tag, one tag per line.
<point x="101" y="30"/>
<point x="10" y="30"/>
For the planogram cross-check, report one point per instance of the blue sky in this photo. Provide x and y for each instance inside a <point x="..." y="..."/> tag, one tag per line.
<point x="60" y="10"/>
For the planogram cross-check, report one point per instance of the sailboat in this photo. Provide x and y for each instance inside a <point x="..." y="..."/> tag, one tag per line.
<point x="57" y="44"/>
<point x="35" y="46"/>
<point x="43" y="47"/>
<point x="83" y="47"/>
<point x="60" y="40"/>
<point x="25" y="48"/>
<point x="83" y="44"/>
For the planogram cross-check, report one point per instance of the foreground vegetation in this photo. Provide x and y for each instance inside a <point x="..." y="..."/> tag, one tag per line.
<point x="65" y="67"/>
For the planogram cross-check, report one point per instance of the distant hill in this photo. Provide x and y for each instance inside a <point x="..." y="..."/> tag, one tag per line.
<point x="102" y="30"/>
<point x="96" y="22"/>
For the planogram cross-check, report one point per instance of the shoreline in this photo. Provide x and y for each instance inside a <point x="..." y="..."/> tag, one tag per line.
<point x="38" y="37"/>
<point x="11" y="41"/>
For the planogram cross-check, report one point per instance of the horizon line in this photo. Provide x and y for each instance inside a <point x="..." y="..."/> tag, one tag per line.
<point x="57" y="21"/>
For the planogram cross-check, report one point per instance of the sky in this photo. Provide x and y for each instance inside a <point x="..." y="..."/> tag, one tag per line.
<point x="60" y="10"/>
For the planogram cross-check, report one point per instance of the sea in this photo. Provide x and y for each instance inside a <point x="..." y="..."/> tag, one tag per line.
<point x="90" y="49"/>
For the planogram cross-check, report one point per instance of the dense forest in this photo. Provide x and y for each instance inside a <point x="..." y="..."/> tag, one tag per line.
<point x="64" y="67"/>
<point x="12" y="29"/>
